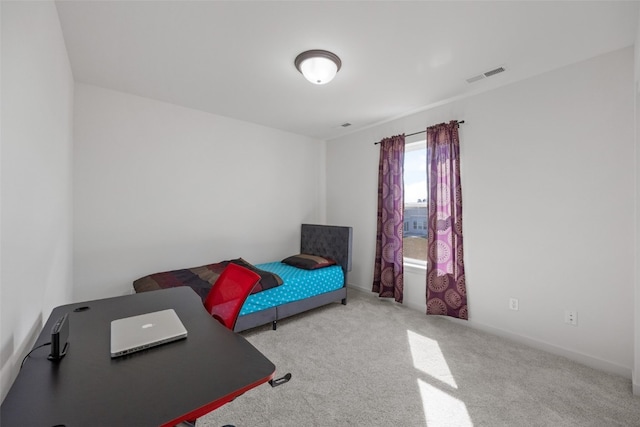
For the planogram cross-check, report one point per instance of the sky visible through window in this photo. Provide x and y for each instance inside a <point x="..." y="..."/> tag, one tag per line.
<point x="415" y="174"/>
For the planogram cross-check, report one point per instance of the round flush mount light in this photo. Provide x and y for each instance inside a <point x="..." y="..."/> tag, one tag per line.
<point x="318" y="66"/>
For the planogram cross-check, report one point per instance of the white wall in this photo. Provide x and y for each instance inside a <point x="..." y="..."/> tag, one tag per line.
<point x="636" y="366"/>
<point x="37" y="106"/>
<point x="160" y="187"/>
<point x="548" y="189"/>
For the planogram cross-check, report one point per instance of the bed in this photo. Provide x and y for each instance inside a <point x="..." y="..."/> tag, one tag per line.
<point x="297" y="291"/>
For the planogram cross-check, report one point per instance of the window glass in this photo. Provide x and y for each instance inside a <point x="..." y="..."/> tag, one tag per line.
<point x="415" y="202"/>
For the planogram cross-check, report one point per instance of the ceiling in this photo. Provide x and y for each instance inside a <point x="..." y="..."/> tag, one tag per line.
<point x="235" y="58"/>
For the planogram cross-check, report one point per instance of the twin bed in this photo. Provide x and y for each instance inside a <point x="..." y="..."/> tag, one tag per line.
<point x="298" y="290"/>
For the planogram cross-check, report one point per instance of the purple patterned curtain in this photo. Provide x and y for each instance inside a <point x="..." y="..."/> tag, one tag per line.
<point x="446" y="288"/>
<point x="388" y="272"/>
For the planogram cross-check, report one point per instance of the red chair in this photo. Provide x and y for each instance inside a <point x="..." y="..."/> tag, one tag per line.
<point x="225" y="300"/>
<point x="229" y="292"/>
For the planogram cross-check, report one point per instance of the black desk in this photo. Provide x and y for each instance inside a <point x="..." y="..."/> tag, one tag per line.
<point x="159" y="386"/>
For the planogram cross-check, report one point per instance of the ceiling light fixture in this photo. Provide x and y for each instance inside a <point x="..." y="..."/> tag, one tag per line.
<point x="318" y="66"/>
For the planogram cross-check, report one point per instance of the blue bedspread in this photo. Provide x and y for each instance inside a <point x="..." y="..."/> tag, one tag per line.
<point x="298" y="284"/>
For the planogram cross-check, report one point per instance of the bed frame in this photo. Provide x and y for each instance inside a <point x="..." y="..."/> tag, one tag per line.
<point x="323" y="240"/>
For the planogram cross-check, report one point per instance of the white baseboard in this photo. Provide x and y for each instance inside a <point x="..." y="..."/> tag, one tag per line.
<point x="584" y="359"/>
<point x="10" y="369"/>
<point x="357" y="288"/>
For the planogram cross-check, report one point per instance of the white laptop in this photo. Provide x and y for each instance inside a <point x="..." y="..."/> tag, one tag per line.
<point x="136" y="333"/>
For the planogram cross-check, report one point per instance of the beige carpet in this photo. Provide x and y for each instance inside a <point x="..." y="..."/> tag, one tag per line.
<point x="376" y="363"/>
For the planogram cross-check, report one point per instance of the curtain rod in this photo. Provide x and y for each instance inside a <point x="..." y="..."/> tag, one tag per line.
<point x="417" y="133"/>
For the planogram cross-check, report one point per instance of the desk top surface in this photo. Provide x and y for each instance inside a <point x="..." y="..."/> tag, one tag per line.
<point x="153" y="387"/>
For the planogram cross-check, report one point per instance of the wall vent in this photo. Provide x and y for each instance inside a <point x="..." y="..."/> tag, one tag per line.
<point x="486" y="74"/>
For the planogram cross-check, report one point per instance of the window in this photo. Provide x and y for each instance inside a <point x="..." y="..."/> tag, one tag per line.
<point x="415" y="202"/>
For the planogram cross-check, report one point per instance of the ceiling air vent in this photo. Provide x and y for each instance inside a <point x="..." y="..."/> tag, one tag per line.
<point x="475" y="78"/>
<point x="494" y="72"/>
<point x="486" y="74"/>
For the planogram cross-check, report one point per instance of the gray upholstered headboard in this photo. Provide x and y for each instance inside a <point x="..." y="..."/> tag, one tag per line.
<point x="329" y="241"/>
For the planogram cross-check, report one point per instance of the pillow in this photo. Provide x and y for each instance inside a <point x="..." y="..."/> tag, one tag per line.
<point x="268" y="279"/>
<point x="308" y="262"/>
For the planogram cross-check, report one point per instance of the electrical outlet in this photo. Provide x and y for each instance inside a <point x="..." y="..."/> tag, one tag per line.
<point x="571" y="317"/>
<point x="513" y="304"/>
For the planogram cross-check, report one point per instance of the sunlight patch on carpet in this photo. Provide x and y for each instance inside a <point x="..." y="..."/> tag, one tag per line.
<point x="428" y="358"/>
<point x="442" y="409"/>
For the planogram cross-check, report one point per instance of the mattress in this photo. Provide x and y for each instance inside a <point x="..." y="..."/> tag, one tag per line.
<point x="297" y="284"/>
